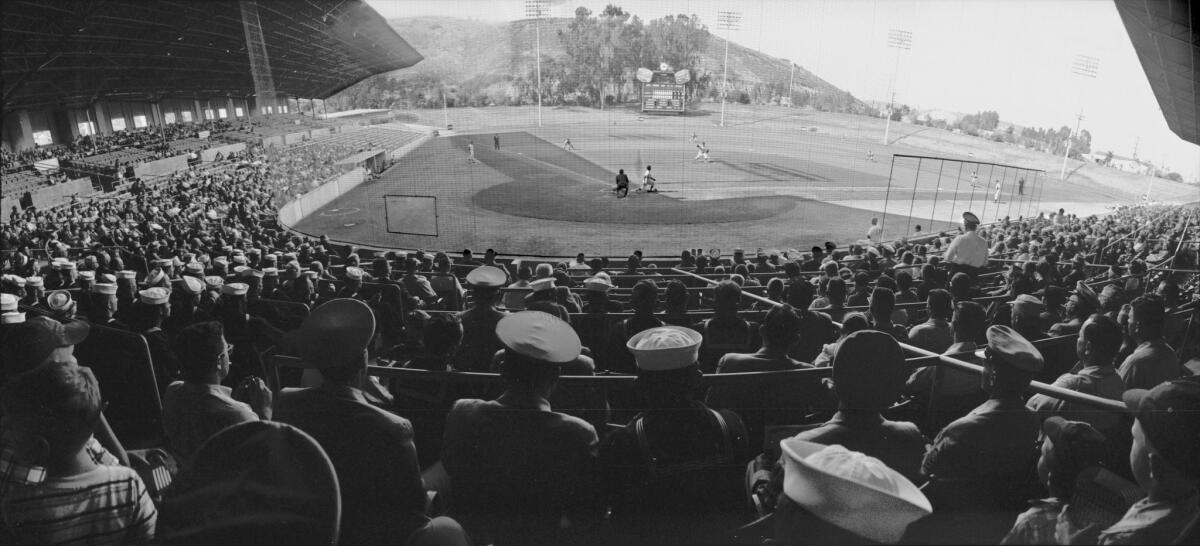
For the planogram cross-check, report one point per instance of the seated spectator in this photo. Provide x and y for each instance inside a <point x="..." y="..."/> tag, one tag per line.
<point x="786" y="401"/>
<point x="595" y="297"/>
<point x="882" y="304"/>
<point x="1098" y="341"/>
<point x="853" y="323"/>
<point x="868" y="376"/>
<point x="815" y="328"/>
<point x="987" y="456"/>
<point x="935" y="334"/>
<point x="383" y="498"/>
<point x="643" y="302"/>
<point x="833" y="495"/>
<point x="417" y="285"/>
<point x="675" y="305"/>
<point x="1166" y="464"/>
<point x="1068" y="448"/>
<point x="726" y="332"/>
<point x="49" y="414"/>
<point x="519" y="472"/>
<point x="833" y="303"/>
<point x="199" y="406"/>
<point x="1153" y="361"/>
<point x="1079" y="307"/>
<point x="675" y="468"/>
<point x="479" y="341"/>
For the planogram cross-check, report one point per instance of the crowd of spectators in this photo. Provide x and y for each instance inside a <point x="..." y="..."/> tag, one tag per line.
<point x="841" y="441"/>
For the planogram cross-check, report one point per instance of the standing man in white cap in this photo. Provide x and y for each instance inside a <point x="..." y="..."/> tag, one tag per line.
<point x="986" y="456"/>
<point x="104" y="306"/>
<point x="150" y="311"/>
<point x="968" y="252"/>
<point x="520" y="472"/>
<point x="679" y="464"/>
<point x="479" y="321"/>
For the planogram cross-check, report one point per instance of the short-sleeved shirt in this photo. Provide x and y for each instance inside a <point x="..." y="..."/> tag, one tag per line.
<point x="105" y="505"/>
<point x="1152" y="522"/>
<point x="968" y="249"/>
<point x="194" y="412"/>
<point x="15" y="472"/>
<point x="1101" y="381"/>
<point x="933" y="335"/>
<point x="1151" y="364"/>
<point x="1037" y="524"/>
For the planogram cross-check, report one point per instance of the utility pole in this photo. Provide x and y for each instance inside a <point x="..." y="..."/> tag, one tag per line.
<point x="791" y="83"/>
<point x="537" y="9"/>
<point x="727" y="21"/>
<point x="901" y="40"/>
<point x="1085" y="66"/>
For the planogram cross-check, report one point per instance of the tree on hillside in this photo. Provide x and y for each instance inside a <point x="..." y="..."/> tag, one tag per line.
<point x="678" y="40"/>
<point x="1174" y="176"/>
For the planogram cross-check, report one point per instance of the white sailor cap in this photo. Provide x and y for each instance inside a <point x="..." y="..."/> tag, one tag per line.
<point x="12" y="317"/>
<point x="235" y="289"/>
<point x="665" y="348"/>
<point x="597" y="284"/>
<point x="214" y="281"/>
<point x="8" y="302"/>
<point x="58" y="300"/>
<point x="154" y="296"/>
<point x="354" y="273"/>
<point x="105" y="288"/>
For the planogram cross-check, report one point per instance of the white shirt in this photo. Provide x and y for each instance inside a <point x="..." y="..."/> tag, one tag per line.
<point x="968" y="249"/>
<point x="875" y="233"/>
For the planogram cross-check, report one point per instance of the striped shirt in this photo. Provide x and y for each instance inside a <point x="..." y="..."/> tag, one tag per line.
<point x="15" y="472"/>
<point x="105" y="505"/>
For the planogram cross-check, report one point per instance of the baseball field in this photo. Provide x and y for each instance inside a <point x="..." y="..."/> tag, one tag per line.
<point x="774" y="178"/>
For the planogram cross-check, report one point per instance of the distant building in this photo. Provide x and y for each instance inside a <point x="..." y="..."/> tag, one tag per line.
<point x="1130" y="165"/>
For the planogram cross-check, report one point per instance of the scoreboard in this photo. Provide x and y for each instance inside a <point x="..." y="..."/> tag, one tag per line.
<point x="662" y="94"/>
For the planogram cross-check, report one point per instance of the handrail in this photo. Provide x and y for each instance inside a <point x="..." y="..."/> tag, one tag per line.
<point x="1035" y="386"/>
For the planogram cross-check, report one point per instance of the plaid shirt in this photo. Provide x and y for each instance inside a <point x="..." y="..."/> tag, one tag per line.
<point x="13" y="471"/>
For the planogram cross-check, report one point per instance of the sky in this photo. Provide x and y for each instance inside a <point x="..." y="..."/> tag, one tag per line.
<point x="1011" y="56"/>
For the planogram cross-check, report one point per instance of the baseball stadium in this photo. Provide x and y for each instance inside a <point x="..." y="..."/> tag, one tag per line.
<point x="469" y="272"/>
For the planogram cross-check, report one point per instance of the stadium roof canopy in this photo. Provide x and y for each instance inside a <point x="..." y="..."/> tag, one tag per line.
<point x="70" y="53"/>
<point x="1168" y="47"/>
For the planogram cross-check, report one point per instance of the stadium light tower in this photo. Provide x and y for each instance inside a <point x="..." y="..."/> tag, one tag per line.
<point x="901" y="40"/>
<point x="727" y="21"/>
<point x="536" y="9"/>
<point x="1084" y="66"/>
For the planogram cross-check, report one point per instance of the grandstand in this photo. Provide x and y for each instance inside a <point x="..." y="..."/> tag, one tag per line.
<point x="291" y="344"/>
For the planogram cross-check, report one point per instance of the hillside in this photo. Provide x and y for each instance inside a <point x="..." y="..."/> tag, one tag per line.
<point x="490" y="55"/>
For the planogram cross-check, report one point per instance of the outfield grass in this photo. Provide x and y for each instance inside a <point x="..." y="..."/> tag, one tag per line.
<point x="778" y="177"/>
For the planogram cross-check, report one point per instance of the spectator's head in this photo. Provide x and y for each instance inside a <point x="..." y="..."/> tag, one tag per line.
<point x="486" y="282"/>
<point x="644" y="297"/>
<point x="204" y="355"/>
<point x="1068" y="447"/>
<point x="775" y="289"/>
<point x="904" y="280"/>
<point x="334" y="338"/>
<point x="524" y="273"/>
<point x="543" y="271"/>
<point x="1099" y="340"/>
<point x="854" y="322"/>
<point x="442" y="335"/>
<point x="862" y="282"/>
<point x="37" y="340"/>
<point x="1169" y="292"/>
<point x="1027" y="315"/>
<point x="1111" y="299"/>
<point x="726" y="297"/>
<point x="960" y="286"/>
<point x="1165" y="457"/>
<point x="868" y="371"/>
<point x="800" y="295"/>
<point x="1148" y="318"/>
<point x="1009" y="363"/>
<point x="940" y="304"/>
<point x="835" y="292"/>
<point x="668" y="375"/>
<point x="970" y="322"/>
<point x="1082" y="303"/>
<point x="537" y="344"/>
<point x="676" y="296"/>
<point x="780" y="329"/>
<point x="928" y="273"/>
<point x="883" y="302"/>
<point x="50" y="412"/>
<point x="103" y="302"/>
